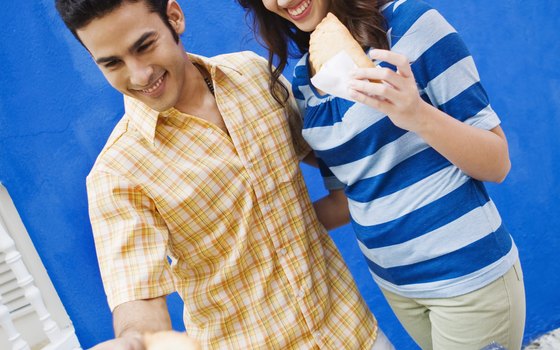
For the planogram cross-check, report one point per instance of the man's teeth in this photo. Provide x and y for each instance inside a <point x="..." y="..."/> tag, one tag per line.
<point x="154" y="87"/>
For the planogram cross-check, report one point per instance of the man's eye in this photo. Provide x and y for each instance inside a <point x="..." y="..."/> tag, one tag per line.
<point x="145" y="47"/>
<point x="111" y="64"/>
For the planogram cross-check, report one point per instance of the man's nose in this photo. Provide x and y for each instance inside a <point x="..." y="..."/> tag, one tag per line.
<point x="140" y="74"/>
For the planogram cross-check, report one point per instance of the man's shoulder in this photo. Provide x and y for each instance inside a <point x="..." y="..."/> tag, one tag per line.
<point x="239" y="56"/>
<point x="242" y="61"/>
<point x="113" y="146"/>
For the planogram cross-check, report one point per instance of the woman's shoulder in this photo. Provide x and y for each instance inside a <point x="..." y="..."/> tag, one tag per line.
<point x="407" y="6"/>
<point x="414" y="18"/>
<point x="407" y="11"/>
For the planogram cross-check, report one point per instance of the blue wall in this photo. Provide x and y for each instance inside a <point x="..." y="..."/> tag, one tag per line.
<point x="56" y="111"/>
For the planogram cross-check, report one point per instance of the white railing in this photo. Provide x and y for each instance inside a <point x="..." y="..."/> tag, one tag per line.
<point x="14" y="337"/>
<point x="57" y="339"/>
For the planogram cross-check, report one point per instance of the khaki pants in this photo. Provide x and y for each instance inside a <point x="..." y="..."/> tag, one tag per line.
<point x="495" y="313"/>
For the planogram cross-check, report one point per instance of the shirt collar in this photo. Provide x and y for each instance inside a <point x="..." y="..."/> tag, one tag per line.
<point x="145" y="119"/>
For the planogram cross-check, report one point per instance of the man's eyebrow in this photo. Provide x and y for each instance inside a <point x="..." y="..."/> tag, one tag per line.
<point x="106" y="59"/>
<point x="141" y="40"/>
<point x="138" y="43"/>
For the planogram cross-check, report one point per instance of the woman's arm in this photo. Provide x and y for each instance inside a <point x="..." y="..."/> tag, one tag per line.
<point x="332" y="210"/>
<point x="482" y="154"/>
<point x="311" y="160"/>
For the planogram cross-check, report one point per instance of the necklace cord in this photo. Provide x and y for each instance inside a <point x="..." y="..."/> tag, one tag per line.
<point x="207" y="80"/>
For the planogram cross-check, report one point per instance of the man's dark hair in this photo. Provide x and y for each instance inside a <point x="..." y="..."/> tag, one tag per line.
<point x="77" y="14"/>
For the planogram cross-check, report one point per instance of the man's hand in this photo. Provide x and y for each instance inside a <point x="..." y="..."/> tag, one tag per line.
<point x="145" y="325"/>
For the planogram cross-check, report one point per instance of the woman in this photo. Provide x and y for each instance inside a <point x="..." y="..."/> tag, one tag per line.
<point x="411" y="157"/>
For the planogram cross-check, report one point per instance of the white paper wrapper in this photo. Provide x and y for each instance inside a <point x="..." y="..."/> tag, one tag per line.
<point x="334" y="76"/>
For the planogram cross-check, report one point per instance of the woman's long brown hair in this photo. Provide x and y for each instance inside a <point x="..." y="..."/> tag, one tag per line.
<point x="284" y="40"/>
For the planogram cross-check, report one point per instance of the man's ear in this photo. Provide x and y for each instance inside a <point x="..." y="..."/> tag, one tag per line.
<point x="175" y="16"/>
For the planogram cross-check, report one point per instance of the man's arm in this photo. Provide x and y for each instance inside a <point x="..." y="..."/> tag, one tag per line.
<point x="140" y="316"/>
<point x="134" y="318"/>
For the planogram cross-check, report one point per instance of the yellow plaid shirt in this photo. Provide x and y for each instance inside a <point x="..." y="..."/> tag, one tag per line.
<point x="255" y="268"/>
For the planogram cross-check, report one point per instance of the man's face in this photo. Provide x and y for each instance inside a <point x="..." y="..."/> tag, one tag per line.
<point x="137" y="53"/>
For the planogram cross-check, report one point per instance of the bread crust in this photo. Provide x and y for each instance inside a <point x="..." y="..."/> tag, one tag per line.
<point x="169" y="340"/>
<point x="331" y="37"/>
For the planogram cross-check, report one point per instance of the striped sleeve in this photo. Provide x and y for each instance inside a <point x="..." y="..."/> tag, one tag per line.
<point x="329" y="179"/>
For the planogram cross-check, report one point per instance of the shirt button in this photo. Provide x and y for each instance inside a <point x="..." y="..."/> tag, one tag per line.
<point x="282" y="252"/>
<point x="317" y="334"/>
<point x="270" y="186"/>
<point x="301" y="293"/>
<point x="267" y="208"/>
<point x="249" y="165"/>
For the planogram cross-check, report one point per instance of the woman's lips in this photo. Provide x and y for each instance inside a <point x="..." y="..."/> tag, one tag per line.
<point x="301" y="10"/>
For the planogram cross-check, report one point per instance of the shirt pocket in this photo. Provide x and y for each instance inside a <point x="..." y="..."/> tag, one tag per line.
<point x="273" y="145"/>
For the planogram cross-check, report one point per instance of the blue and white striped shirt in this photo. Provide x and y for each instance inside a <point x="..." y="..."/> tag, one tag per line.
<point x="427" y="229"/>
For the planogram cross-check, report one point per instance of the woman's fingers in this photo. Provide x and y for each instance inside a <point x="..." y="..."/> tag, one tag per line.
<point x="396" y="59"/>
<point x="393" y="93"/>
<point x="377" y="102"/>
<point x="381" y="90"/>
<point x="379" y="74"/>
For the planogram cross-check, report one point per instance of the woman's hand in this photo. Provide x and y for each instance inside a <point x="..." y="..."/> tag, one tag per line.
<point x="395" y="93"/>
<point x="481" y="154"/>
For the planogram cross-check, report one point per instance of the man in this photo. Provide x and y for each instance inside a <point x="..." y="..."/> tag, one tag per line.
<point x="203" y="168"/>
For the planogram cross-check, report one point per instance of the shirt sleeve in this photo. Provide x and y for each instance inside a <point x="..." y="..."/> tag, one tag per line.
<point x="445" y="70"/>
<point x="130" y="240"/>
<point x="329" y="179"/>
